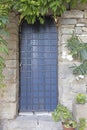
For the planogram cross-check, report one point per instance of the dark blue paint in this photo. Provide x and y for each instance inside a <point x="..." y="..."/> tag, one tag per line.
<point x="38" y="70"/>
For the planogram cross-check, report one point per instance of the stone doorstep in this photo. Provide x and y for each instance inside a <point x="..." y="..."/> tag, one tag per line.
<point x="32" y="123"/>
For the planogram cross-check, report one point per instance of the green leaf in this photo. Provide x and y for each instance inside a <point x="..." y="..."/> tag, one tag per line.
<point x="41" y="20"/>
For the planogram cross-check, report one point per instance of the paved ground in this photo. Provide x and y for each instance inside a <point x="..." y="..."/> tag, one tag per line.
<point x="32" y="123"/>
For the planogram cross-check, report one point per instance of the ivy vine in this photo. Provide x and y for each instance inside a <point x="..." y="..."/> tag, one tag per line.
<point x="78" y="50"/>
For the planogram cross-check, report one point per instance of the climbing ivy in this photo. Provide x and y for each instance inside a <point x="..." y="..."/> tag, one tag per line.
<point x="4" y="12"/>
<point x="30" y="10"/>
<point x="37" y="9"/>
<point x="78" y="50"/>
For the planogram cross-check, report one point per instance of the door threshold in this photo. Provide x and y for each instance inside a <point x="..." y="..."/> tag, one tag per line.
<point x="35" y="113"/>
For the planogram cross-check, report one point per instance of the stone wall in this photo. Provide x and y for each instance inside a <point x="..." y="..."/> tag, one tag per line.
<point x="80" y="111"/>
<point x="9" y="94"/>
<point x="71" y="21"/>
<point x="68" y="86"/>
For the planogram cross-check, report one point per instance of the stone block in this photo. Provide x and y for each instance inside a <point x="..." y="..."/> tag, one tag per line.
<point x="68" y="96"/>
<point x="80" y="25"/>
<point x="68" y="103"/>
<point x="73" y="14"/>
<point x="10" y="93"/>
<point x="13" y="31"/>
<point x="78" y="30"/>
<point x="85" y="14"/>
<point x="10" y="74"/>
<point x="64" y="38"/>
<point x="13" y="45"/>
<point x="13" y="37"/>
<point x="80" y="111"/>
<point x="12" y="25"/>
<point x="83" y="38"/>
<point x="78" y="87"/>
<point x="68" y="26"/>
<point x="8" y="110"/>
<point x="66" y="71"/>
<point x="68" y="21"/>
<point x="67" y="30"/>
<point x="84" y="21"/>
<point x="12" y="55"/>
<point x="14" y="20"/>
<point x="11" y="63"/>
<point x="84" y="29"/>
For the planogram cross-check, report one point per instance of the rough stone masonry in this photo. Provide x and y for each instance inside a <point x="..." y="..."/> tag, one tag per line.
<point x="68" y="86"/>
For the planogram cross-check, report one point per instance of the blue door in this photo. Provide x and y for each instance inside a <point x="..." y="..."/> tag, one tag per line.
<point x="38" y="67"/>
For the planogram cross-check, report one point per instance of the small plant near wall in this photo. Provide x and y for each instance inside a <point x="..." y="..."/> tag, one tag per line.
<point x="78" y="50"/>
<point x="61" y="113"/>
<point x="82" y="124"/>
<point x="81" y="98"/>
